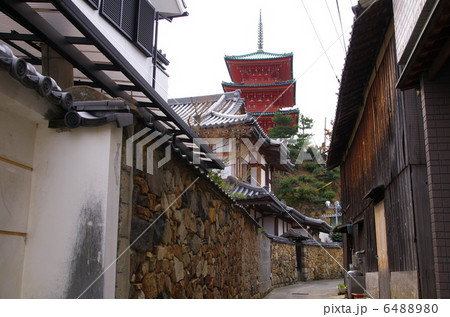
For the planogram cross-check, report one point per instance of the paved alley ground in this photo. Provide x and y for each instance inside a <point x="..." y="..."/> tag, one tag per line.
<point x="311" y="289"/>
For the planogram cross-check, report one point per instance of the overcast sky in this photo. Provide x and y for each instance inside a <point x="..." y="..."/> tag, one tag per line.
<point x="196" y="45"/>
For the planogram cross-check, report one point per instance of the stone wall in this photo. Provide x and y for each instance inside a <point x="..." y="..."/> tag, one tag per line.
<point x="318" y="261"/>
<point x="284" y="264"/>
<point x="188" y="238"/>
<point x="181" y="236"/>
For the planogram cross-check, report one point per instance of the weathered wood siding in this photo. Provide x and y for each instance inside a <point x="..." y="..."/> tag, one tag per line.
<point x="379" y="156"/>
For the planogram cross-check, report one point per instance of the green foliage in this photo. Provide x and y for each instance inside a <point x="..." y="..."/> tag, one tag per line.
<point x="301" y="138"/>
<point x="305" y="123"/>
<point x="309" y="188"/>
<point x="283" y="126"/>
<point x="328" y="195"/>
<point x="332" y="175"/>
<point x="283" y="120"/>
<point x="313" y="168"/>
<point x="336" y="236"/>
<point x="237" y="196"/>
<point x="215" y="176"/>
<point x="304" y="188"/>
<point x="306" y="178"/>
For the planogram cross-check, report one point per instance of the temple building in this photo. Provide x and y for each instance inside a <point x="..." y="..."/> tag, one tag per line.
<point x="266" y="81"/>
<point x="250" y="157"/>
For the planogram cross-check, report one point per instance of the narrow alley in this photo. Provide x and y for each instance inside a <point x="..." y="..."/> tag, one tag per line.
<point x="317" y="289"/>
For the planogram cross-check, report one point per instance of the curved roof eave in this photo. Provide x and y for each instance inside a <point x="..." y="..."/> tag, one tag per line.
<point x="259" y="55"/>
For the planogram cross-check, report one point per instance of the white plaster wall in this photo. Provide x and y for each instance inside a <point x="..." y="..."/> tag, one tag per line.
<point x="16" y="144"/>
<point x="269" y="225"/>
<point x="227" y="171"/>
<point x="258" y="217"/>
<point x="72" y="170"/>
<point x="11" y="263"/>
<point x="263" y="177"/>
<point x="280" y="227"/>
<point x="140" y="62"/>
<point x="254" y="178"/>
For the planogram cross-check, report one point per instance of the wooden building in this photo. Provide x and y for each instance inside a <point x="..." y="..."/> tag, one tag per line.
<point x="390" y="139"/>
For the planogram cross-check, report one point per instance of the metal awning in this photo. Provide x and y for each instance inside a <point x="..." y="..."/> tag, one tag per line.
<point x="97" y="63"/>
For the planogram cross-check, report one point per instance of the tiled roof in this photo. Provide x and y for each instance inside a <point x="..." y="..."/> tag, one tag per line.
<point x="212" y="110"/>
<point x="100" y="64"/>
<point x="278" y="206"/>
<point x="70" y="114"/>
<point x="296" y="234"/>
<point x="260" y="54"/>
<point x="280" y="239"/>
<point x="224" y="110"/>
<point x="276" y="84"/>
<point x="367" y="37"/>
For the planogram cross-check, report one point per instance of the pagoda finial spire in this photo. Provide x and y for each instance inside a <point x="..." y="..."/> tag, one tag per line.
<point x="260" y="32"/>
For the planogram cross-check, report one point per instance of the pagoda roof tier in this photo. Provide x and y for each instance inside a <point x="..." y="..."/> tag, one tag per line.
<point x="280" y="64"/>
<point x="272" y="113"/>
<point x="258" y="55"/>
<point x="285" y="89"/>
<point x="243" y="85"/>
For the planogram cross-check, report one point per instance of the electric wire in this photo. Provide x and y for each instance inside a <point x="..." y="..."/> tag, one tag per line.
<point x="320" y="41"/>
<point x="340" y="21"/>
<point x="334" y="24"/>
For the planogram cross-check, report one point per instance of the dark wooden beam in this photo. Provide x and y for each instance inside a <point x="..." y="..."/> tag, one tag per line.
<point x="440" y="60"/>
<point x="73" y="13"/>
<point x="27" y="17"/>
<point x="34" y="60"/>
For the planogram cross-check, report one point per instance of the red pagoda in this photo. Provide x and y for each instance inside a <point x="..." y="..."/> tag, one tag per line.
<point x="266" y="81"/>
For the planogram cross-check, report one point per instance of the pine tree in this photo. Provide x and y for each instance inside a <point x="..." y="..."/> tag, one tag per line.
<point x="283" y="127"/>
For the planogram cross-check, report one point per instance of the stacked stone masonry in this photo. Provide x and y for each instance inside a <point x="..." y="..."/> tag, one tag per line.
<point x="189" y="240"/>
<point x="284" y="264"/>
<point x="321" y="261"/>
<point x="180" y="236"/>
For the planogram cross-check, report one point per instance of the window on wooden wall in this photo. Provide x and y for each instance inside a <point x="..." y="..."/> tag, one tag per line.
<point x="134" y="18"/>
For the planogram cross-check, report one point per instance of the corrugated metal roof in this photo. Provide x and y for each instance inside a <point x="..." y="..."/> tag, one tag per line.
<point x="260" y="54"/>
